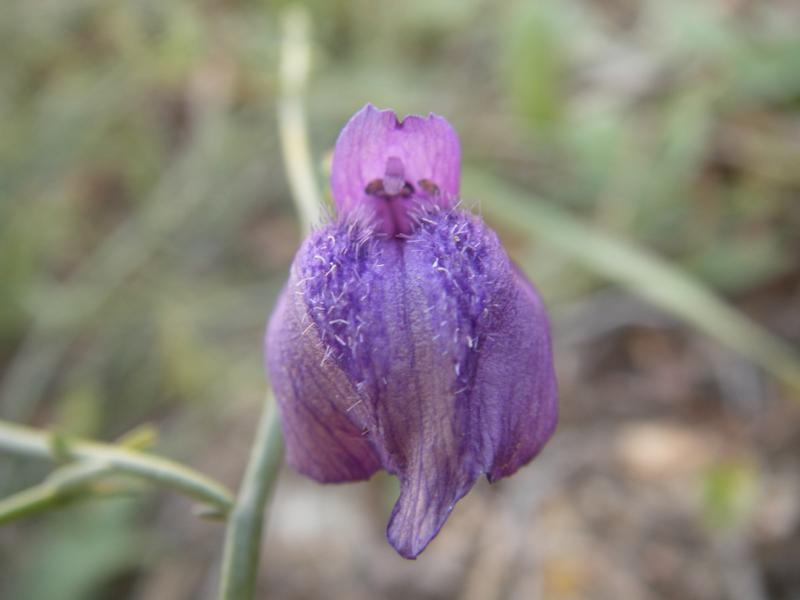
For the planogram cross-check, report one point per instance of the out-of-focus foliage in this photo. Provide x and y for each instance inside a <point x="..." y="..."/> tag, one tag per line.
<point x="146" y="228"/>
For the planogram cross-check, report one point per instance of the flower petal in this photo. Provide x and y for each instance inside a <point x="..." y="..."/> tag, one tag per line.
<point x="429" y="356"/>
<point x="516" y="383"/>
<point x="375" y="147"/>
<point x="314" y="395"/>
<point x="493" y="404"/>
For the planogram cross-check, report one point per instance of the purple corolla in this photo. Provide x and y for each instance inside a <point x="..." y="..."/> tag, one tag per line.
<point x="406" y="339"/>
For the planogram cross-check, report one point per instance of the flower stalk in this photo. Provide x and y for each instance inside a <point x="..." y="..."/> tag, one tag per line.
<point x="246" y="522"/>
<point x="294" y="69"/>
<point x="243" y="536"/>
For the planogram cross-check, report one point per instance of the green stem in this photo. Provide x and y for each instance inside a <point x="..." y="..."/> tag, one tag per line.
<point x="65" y="484"/>
<point x="26" y="441"/>
<point x="245" y="523"/>
<point x="295" y="66"/>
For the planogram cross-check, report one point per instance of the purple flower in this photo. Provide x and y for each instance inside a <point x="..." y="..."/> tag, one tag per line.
<point x="406" y="339"/>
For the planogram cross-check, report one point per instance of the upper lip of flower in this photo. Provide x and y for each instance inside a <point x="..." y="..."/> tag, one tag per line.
<point x="384" y="168"/>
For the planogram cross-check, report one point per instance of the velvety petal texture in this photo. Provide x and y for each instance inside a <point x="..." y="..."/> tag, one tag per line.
<point x="425" y="353"/>
<point x="384" y="168"/>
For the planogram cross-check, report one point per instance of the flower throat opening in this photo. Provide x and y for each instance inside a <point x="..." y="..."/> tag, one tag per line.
<point x="399" y="194"/>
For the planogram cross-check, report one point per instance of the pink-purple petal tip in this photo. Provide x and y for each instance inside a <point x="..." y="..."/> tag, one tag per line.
<point x="385" y="169"/>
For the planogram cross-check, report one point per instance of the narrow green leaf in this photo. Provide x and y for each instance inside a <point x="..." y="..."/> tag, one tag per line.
<point x="635" y="268"/>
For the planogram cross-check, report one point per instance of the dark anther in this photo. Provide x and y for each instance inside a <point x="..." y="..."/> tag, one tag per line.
<point x="375" y="188"/>
<point x="430" y="188"/>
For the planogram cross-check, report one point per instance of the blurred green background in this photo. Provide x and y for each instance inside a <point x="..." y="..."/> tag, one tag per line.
<point x="638" y="157"/>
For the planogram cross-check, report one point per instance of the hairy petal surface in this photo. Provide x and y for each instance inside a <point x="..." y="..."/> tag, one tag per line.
<point x="435" y="356"/>
<point x="315" y="395"/>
